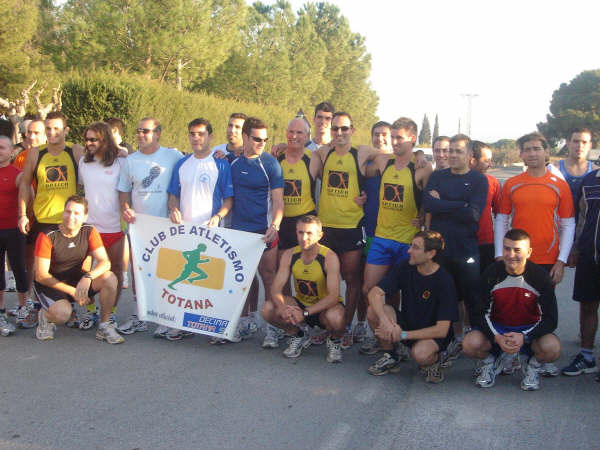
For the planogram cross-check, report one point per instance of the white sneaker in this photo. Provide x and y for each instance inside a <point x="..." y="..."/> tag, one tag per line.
<point x="489" y="369"/>
<point x="11" y="284"/>
<point x="531" y="380"/>
<point x="271" y="339"/>
<point x="45" y="329"/>
<point x="6" y="328"/>
<point x="161" y="331"/>
<point x="359" y="333"/>
<point x="296" y="345"/>
<point x="334" y="351"/>
<point x="133" y="325"/>
<point x="107" y="332"/>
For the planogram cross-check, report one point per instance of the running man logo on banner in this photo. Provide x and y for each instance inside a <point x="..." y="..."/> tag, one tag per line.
<point x="192" y="277"/>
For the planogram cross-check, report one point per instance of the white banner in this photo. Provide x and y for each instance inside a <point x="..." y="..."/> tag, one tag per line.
<point x="192" y="277"/>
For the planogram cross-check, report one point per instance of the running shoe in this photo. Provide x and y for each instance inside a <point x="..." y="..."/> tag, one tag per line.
<point x="113" y="320"/>
<point x="579" y="365"/>
<point x="271" y="339"/>
<point x="359" y="332"/>
<point x="132" y="325"/>
<point x="6" y="328"/>
<point x="319" y="337"/>
<point x="252" y="325"/>
<point x="386" y="364"/>
<point x="347" y="340"/>
<point x="12" y="312"/>
<point x="489" y="369"/>
<point x="73" y="322"/>
<point x="30" y="319"/>
<point x="434" y="373"/>
<point x="454" y="349"/>
<point x="370" y="346"/>
<point x="88" y="320"/>
<point x="510" y="363"/>
<point x="160" y="332"/>
<point x="11" y="284"/>
<point x="217" y="341"/>
<point x="107" y="332"/>
<point x="45" y="329"/>
<point x="334" y="351"/>
<point x="531" y="380"/>
<point x="176" y="335"/>
<point x="296" y="345"/>
<point x="549" y="370"/>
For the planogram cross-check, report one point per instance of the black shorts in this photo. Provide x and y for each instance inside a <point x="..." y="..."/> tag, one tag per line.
<point x="342" y="240"/>
<point x="586" y="287"/>
<point x="466" y="275"/>
<point x="37" y="228"/>
<point x="48" y="295"/>
<point x="314" y="319"/>
<point x="287" y="231"/>
<point x="441" y="343"/>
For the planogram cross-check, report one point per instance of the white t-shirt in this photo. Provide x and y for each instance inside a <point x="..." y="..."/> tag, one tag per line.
<point x="147" y="178"/>
<point x="101" y="192"/>
<point x="198" y="178"/>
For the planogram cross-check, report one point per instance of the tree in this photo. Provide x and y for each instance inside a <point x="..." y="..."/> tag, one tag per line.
<point x="425" y="134"/>
<point x="157" y="38"/>
<point x="436" y="128"/>
<point x="576" y="104"/>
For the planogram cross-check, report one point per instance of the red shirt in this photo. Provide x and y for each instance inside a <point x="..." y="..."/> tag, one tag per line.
<point x="9" y="193"/>
<point x="485" y="234"/>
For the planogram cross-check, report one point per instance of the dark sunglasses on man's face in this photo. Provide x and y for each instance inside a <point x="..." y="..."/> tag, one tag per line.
<point x="92" y="140"/>
<point x="259" y="140"/>
<point x="344" y="129"/>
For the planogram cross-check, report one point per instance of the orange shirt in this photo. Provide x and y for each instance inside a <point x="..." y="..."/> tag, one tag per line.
<point x="537" y="203"/>
<point x="485" y="234"/>
<point x="19" y="163"/>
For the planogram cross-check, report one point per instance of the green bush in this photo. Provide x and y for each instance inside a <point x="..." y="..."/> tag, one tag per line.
<point x="88" y="99"/>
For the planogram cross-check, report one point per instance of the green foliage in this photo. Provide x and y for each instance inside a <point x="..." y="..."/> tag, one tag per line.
<point x="88" y="99"/>
<point x="505" y="152"/>
<point x="576" y="104"/>
<point x="425" y="134"/>
<point x="436" y="129"/>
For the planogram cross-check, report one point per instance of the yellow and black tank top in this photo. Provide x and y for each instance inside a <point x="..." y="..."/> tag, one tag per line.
<point x="342" y="181"/>
<point x="399" y="203"/>
<point x="310" y="280"/>
<point x="56" y="178"/>
<point x="299" y="186"/>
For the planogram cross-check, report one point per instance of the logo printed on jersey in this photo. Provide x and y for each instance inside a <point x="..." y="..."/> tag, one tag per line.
<point x="154" y="173"/>
<point x="426" y="294"/>
<point x="337" y="183"/>
<point x="204" y="178"/>
<point x="393" y="196"/>
<point x="56" y="174"/>
<point x="307" y="287"/>
<point x="71" y="245"/>
<point x="292" y="192"/>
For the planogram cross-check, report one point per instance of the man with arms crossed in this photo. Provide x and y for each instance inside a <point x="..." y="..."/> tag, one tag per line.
<point x="60" y="279"/>
<point x="316" y="273"/>
<point x="516" y="313"/>
<point x="142" y="188"/>
<point x="428" y="309"/>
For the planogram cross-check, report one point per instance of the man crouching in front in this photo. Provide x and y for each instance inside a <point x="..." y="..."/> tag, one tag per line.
<point x="60" y="279"/>
<point x="316" y="273"/>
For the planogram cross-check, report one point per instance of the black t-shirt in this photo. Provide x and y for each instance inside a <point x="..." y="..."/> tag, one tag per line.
<point x="425" y="299"/>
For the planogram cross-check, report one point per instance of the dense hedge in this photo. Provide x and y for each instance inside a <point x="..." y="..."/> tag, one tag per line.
<point x="88" y="99"/>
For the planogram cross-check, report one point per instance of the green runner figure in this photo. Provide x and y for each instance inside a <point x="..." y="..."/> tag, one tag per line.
<point x="193" y="259"/>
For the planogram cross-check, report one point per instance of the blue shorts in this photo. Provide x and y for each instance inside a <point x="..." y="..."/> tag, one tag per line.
<point x="387" y="252"/>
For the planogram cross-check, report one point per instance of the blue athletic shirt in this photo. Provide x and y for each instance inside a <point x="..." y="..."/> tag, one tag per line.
<point x="223" y="187"/>
<point x="573" y="181"/>
<point x="253" y="179"/>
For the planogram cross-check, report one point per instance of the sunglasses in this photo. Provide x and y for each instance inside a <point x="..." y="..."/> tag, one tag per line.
<point x="92" y="140"/>
<point x="259" y="140"/>
<point x="344" y="129"/>
<point x="146" y="130"/>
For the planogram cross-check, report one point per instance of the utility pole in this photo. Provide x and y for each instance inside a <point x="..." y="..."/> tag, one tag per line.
<point x="469" y="98"/>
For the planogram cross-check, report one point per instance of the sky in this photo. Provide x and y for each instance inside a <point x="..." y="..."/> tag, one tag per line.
<point x="512" y="54"/>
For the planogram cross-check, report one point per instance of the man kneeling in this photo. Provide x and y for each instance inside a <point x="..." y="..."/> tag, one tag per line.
<point x="316" y="273"/>
<point x="517" y="313"/>
<point x="428" y="307"/>
<point x="60" y="279"/>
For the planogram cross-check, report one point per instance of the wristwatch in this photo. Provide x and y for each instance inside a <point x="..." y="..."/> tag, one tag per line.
<point x="305" y="313"/>
<point x="403" y="336"/>
<point x="87" y="275"/>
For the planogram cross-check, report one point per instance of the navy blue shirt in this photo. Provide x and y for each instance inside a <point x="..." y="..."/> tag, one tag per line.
<point x="456" y="213"/>
<point x="253" y="179"/>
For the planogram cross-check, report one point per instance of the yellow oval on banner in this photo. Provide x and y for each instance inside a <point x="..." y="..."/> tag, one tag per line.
<point x="190" y="267"/>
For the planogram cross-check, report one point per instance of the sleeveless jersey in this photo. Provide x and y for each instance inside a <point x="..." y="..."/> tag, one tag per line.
<point x="299" y="186"/>
<point x="310" y="280"/>
<point x="399" y="203"/>
<point x="56" y="178"/>
<point x="342" y="181"/>
<point x="573" y="181"/>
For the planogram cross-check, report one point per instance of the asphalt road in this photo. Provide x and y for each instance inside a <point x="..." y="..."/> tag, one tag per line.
<point x="76" y="392"/>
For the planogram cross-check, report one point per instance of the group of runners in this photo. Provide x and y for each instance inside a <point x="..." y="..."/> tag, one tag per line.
<point x="435" y="262"/>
